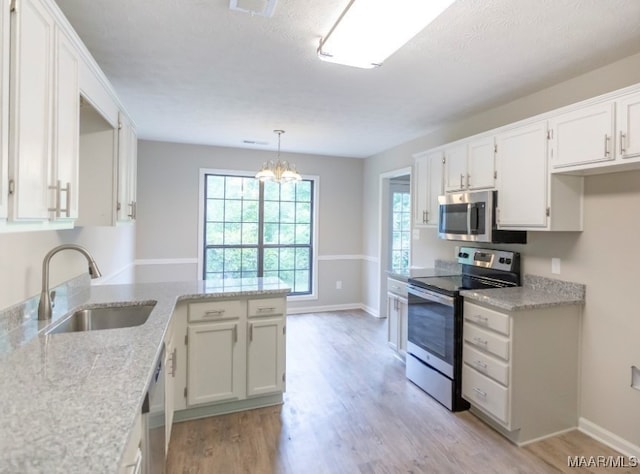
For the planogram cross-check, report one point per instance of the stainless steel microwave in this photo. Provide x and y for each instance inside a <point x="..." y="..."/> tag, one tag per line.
<point x="471" y="217"/>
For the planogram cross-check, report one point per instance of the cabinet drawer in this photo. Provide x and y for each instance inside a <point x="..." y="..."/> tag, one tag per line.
<point x="215" y="310"/>
<point x="397" y="287"/>
<point x="484" y="393"/>
<point x="266" y="307"/>
<point x="486" y="341"/>
<point x="485" y="364"/>
<point x="487" y="318"/>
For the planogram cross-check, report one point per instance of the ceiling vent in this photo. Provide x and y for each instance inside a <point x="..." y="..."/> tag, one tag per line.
<point x="254" y="7"/>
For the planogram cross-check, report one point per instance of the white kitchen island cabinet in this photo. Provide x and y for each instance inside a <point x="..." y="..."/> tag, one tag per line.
<point x="520" y="369"/>
<point x="233" y="355"/>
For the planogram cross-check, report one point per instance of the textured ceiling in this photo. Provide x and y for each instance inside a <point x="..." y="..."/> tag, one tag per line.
<point x="194" y="71"/>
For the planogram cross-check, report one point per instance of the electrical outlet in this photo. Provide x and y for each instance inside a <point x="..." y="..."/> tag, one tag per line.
<point x="555" y="266"/>
<point x="338" y="284"/>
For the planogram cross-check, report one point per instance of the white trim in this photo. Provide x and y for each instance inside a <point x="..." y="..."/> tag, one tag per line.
<point x="607" y="437"/>
<point x="333" y="307"/>
<point x="342" y="257"/>
<point x="167" y="261"/>
<point x="112" y="276"/>
<point x="550" y="435"/>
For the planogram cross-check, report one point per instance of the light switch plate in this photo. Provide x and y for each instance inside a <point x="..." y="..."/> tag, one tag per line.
<point x="555" y="266"/>
<point x="415" y="234"/>
<point x="635" y="377"/>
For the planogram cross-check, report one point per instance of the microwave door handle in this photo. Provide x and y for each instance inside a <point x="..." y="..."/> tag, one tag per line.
<point x="469" y="210"/>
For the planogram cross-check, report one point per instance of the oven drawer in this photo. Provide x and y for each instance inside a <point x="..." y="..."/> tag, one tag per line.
<point x="485" y="364"/>
<point x="216" y="310"/>
<point x="484" y="393"/>
<point x="486" y="317"/>
<point x="486" y="341"/>
<point x="397" y="287"/>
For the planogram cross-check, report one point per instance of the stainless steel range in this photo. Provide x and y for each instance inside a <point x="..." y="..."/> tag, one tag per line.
<point x="434" y="359"/>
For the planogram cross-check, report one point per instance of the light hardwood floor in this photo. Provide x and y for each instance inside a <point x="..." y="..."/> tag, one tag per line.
<point x="349" y="409"/>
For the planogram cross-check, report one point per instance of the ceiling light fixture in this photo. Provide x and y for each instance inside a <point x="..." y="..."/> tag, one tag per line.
<point x="278" y="171"/>
<point x="369" y="31"/>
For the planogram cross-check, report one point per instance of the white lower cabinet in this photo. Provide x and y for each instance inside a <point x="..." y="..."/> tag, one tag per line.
<point x="230" y="355"/>
<point x="132" y="459"/>
<point x="397" y="314"/>
<point x="215" y="363"/>
<point x="520" y="369"/>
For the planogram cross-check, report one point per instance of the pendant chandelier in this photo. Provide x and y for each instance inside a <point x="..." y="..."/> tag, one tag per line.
<point x="278" y="171"/>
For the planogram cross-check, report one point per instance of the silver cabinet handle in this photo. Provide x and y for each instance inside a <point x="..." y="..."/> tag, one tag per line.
<point x="265" y="309"/>
<point x="424" y="217"/>
<point x="250" y="332"/>
<point x="68" y="208"/>
<point x="468" y="181"/>
<point x="461" y="178"/>
<point x="480" y="341"/>
<point x="606" y="145"/>
<point x="481" y="365"/>
<point x="623" y="150"/>
<point x="481" y="319"/>
<point x="235" y="333"/>
<point x="480" y="392"/>
<point x="214" y="313"/>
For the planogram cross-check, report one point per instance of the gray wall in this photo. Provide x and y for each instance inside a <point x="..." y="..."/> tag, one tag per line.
<point x="595" y="257"/>
<point x="167" y="223"/>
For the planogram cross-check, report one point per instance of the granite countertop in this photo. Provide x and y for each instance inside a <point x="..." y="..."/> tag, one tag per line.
<point x="441" y="268"/>
<point x="535" y="293"/>
<point x="68" y="401"/>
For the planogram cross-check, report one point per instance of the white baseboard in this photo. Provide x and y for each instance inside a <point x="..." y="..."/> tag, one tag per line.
<point x="607" y="437"/>
<point x="333" y="307"/>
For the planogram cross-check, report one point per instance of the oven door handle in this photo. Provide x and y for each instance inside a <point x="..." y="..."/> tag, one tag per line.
<point x="430" y="295"/>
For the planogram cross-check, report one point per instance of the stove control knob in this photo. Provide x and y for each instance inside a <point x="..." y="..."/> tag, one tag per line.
<point x="463" y="255"/>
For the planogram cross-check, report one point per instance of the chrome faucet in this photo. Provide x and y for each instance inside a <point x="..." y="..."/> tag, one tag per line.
<point x="44" y="307"/>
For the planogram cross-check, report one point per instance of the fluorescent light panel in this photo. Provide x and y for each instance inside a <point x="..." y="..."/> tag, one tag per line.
<point x="369" y="31"/>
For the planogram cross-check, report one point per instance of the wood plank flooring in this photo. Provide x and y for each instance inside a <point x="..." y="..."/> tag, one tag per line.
<point x="349" y="409"/>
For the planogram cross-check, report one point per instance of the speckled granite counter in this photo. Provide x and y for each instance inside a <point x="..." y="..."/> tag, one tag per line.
<point x="68" y="401"/>
<point x="536" y="292"/>
<point x="441" y="268"/>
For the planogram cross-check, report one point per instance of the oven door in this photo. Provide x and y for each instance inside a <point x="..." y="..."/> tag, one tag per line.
<point x="431" y="329"/>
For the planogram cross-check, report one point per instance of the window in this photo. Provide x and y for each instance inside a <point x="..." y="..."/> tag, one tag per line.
<point x="400" y="228"/>
<point x="254" y="229"/>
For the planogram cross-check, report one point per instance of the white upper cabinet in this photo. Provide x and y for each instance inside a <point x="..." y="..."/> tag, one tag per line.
<point x="127" y="167"/>
<point x="4" y="106"/>
<point x="583" y="136"/>
<point x="529" y="198"/>
<point x="629" y="126"/>
<point x="66" y="130"/>
<point x="470" y="165"/>
<point x="31" y="106"/>
<point x="521" y="163"/>
<point x="455" y="167"/>
<point x="427" y="186"/>
<point x="481" y="164"/>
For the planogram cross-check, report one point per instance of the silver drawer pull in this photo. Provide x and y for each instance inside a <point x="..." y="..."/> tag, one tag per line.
<point x="481" y="319"/>
<point x="480" y="341"/>
<point x="264" y="309"/>
<point x="214" y="312"/>
<point x="481" y="365"/>
<point x="479" y="392"/>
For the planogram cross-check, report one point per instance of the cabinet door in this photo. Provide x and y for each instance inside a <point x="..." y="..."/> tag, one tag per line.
<point x="480" y="164"/>
<point x="4" y="106"/>
<point x="522" y="179"/>
<point x="215" y="363"/>
<point x="455" y="168"/>
<point x="427" y="186"/>
<point x="66" y="129"/>
<point x="265" y="356"/>
<point x="393" y="319"/>
<point x="32" y="48"/>
<point x="582" y="136"/>
<point x="127" y="164"/>
<point x="403" y="323"/>
<point x="629" y="126"/>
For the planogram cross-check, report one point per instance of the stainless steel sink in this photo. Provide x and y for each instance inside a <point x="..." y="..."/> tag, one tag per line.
<point x="97" y="318"/>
